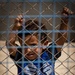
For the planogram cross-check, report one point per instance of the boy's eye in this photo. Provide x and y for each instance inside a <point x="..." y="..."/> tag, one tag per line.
<point x="30" y="45"/>
<point x="33" y="44"/>
<point x="25" y="45"/>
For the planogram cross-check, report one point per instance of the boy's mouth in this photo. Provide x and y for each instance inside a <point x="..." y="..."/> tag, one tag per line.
<point x="31" y="54"/>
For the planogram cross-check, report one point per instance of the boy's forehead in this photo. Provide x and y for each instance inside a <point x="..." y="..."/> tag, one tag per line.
<point x="31" y="38"/>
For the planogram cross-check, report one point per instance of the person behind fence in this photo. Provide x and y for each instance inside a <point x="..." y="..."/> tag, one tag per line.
<point x="36" y="55"/>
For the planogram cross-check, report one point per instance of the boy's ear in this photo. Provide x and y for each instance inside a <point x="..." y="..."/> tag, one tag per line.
<point x="46" y="42"/>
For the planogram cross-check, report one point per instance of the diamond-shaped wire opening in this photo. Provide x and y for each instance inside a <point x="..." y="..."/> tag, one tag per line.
<point x="3" y="8"/>
<point x="32" y="7"/>
<point x="7" y="70"/>
<point x="17" y="8"/>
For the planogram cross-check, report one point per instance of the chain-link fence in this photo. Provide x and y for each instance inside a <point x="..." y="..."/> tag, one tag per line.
<point x="47" y="12"/>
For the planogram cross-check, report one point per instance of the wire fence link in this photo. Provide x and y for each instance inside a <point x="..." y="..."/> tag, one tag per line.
<point x="47" y="12"/>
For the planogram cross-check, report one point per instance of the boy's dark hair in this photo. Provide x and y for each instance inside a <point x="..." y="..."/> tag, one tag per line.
<point x="33" y="25"/>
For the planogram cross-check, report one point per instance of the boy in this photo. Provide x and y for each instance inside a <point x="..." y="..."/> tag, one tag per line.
<point x="35" y="56"/>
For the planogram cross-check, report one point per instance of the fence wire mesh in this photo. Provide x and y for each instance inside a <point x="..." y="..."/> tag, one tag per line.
<point x="47" y="12"/>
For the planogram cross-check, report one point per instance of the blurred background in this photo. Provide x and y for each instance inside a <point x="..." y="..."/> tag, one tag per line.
<point x="47" y="12"/>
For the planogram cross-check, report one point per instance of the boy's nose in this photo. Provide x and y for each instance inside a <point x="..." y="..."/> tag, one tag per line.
<point x="29" y="49"/>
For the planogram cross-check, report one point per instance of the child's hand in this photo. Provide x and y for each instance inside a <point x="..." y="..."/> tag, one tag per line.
<point x="18" y="22"/>
<point x="66" y="12"/>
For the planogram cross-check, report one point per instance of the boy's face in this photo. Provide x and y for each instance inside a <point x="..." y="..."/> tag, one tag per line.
<point x="32" y="49"/>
